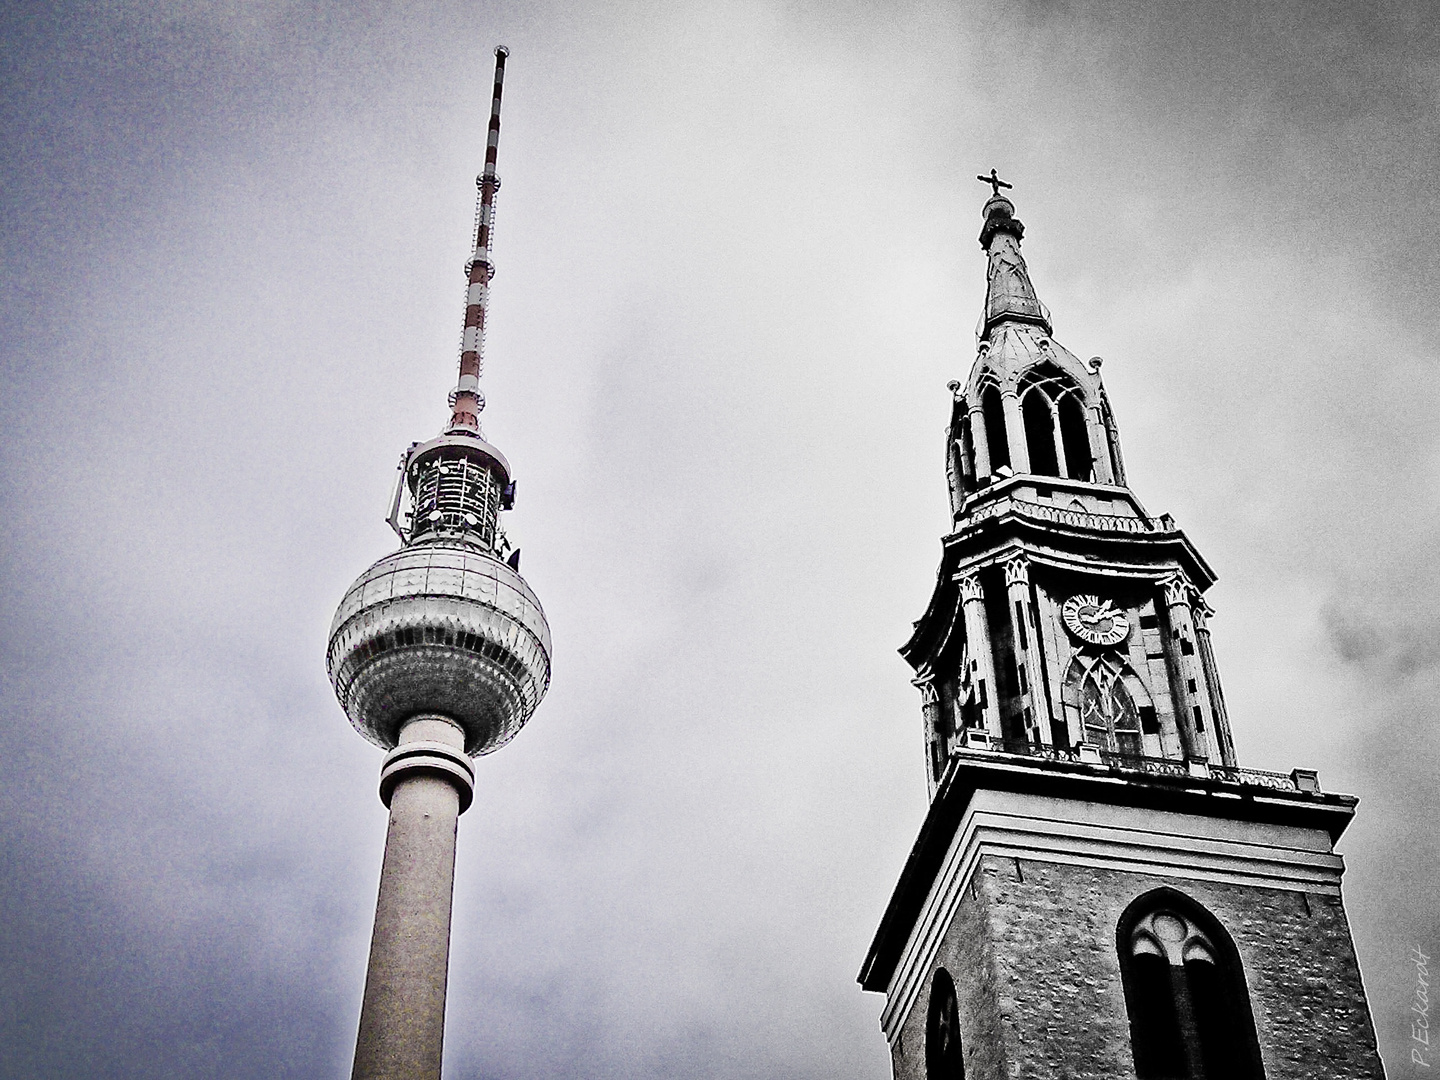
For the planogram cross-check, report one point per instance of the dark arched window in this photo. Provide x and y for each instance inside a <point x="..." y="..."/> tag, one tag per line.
<point x="1056" y="433"/>
<point x="1040" y="433"/>
<point x="944" y="1059"/>
<point x="1189" y="1008"/>
<point x="1075" y="436"/>
<point x="994" y="410"/>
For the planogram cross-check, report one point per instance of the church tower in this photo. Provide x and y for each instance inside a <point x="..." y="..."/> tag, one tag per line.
<point x="1098" y="890"/>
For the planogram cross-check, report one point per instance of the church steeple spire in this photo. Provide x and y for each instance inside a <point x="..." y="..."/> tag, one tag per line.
<point x="1009" y="293"/>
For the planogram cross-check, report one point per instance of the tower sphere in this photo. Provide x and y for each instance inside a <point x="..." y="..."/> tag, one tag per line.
<point x="440" y="628"/>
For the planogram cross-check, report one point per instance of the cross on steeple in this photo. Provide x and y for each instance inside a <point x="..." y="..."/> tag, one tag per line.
<point x="994" y="181"/>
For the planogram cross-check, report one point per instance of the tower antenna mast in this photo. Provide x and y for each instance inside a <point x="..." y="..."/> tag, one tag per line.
<point x="466" y="401"/>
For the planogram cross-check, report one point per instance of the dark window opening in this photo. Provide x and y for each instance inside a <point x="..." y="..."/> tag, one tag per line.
<point x="993" y="410"/>
<point x="1149" y="622"/>
<point x="1075" y="437"/>
<point x="1020" y="625"/>
<point x="1040" y="434"/>
<point x="1187" y="647"/>
<point x="1199" y="719"/>
<point x="1148" y="722"/>
<point x="967" y="451"/>
<point x="1185" y="993"/>
<point x="1059" y="734"/>
<point x="1191" y="683"/>
<point x="944" y="1057"/>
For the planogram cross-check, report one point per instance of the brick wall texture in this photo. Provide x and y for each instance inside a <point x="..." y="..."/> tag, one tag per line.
<point x="1032" y="952"/>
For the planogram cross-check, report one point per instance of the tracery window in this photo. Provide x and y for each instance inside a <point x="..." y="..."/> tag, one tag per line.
<point x="1056" y="433"/>
<point x="944" y="1058"/>
<point x="1185" y="992"/>
<point x="1110" y="700"/>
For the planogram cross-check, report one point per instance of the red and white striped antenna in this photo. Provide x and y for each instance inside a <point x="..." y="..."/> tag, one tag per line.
<point x="466" y="401"/>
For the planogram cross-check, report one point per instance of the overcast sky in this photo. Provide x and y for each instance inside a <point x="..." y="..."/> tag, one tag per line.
<point x="737" y="267"/>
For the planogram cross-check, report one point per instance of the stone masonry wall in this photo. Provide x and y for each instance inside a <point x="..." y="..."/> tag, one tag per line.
<point x="1032" y="952"/>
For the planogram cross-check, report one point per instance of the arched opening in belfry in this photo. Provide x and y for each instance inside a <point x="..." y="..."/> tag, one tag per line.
<point x="993" y="409"/>
<point x="1056" y="434"/>
<point x="1040" y="433"/>
<point x="1074" y="437"/>
<point x="1185" y="992"/>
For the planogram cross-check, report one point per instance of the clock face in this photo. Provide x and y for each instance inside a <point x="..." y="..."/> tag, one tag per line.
<point x="1094" y="620"/>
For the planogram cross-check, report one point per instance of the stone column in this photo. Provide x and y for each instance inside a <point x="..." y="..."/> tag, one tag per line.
<point x="1184" y="664"/>
<point x="979" y="439"/>
<point x="1015" y="431"/>
<point x="937" y="741"/>
<point x="1035" y="698"/>
<point x="982" y="656"/>
<point x="1062" y="466"/>
<point x="1200" y="613"/>
<point x="427" y="782"/>
<point x="1099" y="446"/>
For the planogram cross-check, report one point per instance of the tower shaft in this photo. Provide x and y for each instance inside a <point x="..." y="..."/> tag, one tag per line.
<point x="402" y="1017"/>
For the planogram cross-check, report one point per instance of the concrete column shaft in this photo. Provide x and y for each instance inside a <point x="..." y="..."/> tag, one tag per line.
<point x="402" y="1017"/>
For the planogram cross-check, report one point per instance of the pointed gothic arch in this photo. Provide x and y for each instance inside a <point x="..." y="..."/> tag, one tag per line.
<point x="992" y="408"/>
<point x="1057" y="436"/>
<point x="1185" y="992"/>
<point x="944" y="1054"/>
<point x="1106" y="704"/>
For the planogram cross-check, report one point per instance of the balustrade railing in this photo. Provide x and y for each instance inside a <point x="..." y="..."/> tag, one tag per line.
<point x="1060" y="515"/>
<point x="1150" y="765"/>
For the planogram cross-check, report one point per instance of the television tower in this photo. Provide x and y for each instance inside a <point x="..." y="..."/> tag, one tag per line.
<point x="438" y="653"/>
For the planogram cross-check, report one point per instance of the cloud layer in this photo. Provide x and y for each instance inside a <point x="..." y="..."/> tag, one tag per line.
<point x="737" y="267"/>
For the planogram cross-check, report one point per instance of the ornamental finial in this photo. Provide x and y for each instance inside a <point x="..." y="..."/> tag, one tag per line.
<point x="994" y="181"/>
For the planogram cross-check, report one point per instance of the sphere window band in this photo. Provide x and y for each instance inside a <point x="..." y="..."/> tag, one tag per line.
<point x="944" y="1056"/>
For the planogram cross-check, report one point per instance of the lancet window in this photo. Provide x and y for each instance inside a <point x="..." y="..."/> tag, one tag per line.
<point x="1185" y="992"/>
<point x="1055" y="430"/>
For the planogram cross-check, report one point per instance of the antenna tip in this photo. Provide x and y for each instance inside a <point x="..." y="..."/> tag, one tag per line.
<point x="501" y="51"/>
